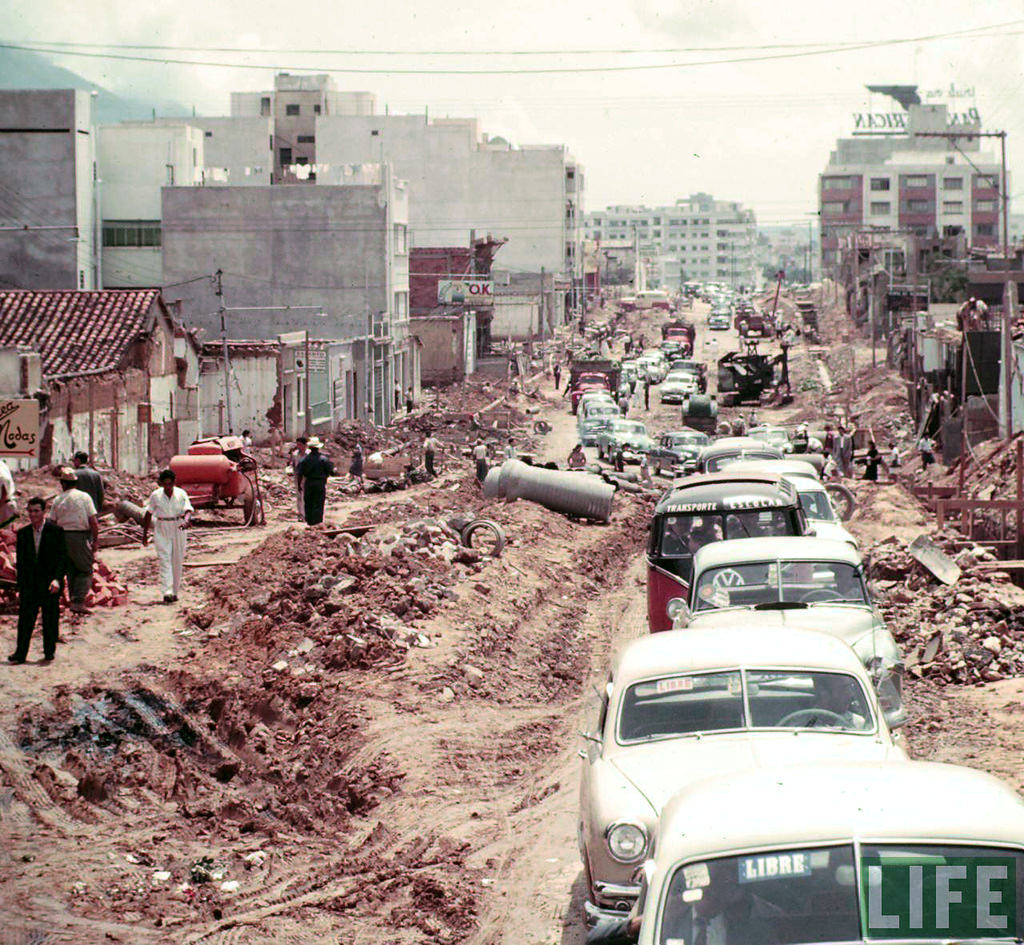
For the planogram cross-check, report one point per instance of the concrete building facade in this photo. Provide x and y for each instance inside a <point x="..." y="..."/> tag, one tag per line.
<point x="699" y="238"/>
<point x="47" y="192"/>
<point x="899" y="182"/>
<point x="328" y="260"/>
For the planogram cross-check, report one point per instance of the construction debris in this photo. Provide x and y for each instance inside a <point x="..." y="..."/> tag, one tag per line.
<point x="972" y="634"/>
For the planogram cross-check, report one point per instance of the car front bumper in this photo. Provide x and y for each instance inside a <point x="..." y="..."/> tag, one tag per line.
<point x="614" y="902"/>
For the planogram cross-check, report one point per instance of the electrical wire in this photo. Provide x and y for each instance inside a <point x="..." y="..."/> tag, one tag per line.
<point x="552" y="70"/>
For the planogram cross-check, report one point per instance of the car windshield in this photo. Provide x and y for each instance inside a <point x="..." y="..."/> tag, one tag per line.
<point x="811" y="896"/>
<point x="817" y="507"/>
<point x="687" y="439"/>
<point x="717" y="463"/>
<point x="767" y="583"/>
<point x="629" y="428"/>
<point x="599" y="409"/>
<point x="743" y="699"/>
<point x="682" y="535"/>
<point x="679" y="377"/>
<point x="782" y="897"/>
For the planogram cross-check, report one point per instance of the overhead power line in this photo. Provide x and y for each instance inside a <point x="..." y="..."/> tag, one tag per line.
<point x="548" y="70"/>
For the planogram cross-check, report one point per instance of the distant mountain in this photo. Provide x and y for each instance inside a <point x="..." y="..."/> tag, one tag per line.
<point x="22" y="69"/>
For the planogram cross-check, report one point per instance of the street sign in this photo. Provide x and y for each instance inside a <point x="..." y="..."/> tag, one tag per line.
<point x="19" y="428"/>
<point x="451" y="291"/>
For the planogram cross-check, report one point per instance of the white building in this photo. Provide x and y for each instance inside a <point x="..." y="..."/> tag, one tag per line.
<point x="698" y="238"/>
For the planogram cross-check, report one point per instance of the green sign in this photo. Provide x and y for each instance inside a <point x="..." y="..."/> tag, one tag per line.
<point x="943" y="897"/>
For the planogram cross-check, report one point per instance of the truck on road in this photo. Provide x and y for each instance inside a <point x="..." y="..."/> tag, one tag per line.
<point x="591" y="374"/>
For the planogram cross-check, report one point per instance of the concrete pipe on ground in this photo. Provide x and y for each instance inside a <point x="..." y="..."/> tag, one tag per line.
<point x="574" y="493"/>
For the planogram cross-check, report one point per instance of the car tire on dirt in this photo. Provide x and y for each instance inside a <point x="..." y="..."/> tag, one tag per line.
<point x="843" y="500"/>
<point x="492" y="540"/>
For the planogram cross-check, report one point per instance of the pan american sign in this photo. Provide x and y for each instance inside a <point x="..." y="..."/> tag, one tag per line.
<point x="897" y="121"/>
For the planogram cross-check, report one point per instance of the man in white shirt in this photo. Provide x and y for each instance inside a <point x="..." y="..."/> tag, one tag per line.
<point x="430" y="448"/>
<point x="74" y="511"/>
<point x="8" y="510"/>
<point x="510" y="449"/>
<point x="480" y="456"/>
<point x="169" y="512"/>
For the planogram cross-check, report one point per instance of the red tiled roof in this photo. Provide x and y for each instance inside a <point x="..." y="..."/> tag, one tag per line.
<point x="76" y="332"/>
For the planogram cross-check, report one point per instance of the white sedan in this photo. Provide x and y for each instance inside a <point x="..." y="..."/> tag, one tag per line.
<point x="683" y="706"/>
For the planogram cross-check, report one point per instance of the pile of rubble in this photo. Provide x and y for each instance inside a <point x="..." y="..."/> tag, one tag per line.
<point x="336" y="600"/>
<point x="968" y="631"/>
<point x="106" y="590"/>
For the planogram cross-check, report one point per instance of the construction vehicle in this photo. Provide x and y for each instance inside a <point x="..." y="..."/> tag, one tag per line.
<point x="217" y="471"/>
<point x="700" y="412"/>
<point x="589" y="374"/>
<point x="681" y="332"/>
<point x="748" y="321"/>
<point x="743" y="376"/>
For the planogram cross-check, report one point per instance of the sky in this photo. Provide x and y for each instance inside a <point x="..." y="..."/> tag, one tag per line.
<point x="758" y="132"/>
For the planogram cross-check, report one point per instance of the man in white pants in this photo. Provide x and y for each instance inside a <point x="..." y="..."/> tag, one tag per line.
<point x="169" y="511"/>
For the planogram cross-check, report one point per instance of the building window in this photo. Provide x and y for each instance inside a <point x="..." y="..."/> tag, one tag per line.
<point x="985" y="206"/>
<point x="291" y="110"/>
<point x="952" y="183"/>
<point x="401" y="305"/>
<point x="401" y="239"/>
<point x="880" y="183"/>
<point x="833" y="207"/>
<point x="916" y="182"/>
<point x="286" y="156"/>
<point x="835" y="183"/>
<point x="131" y="233"/>
<point x="265" y="105"/>
<point x="952" y="206"/>
<point x="984" y="229"/>
<point x="316" y="109"/>
<point x="207" y="134"/>
<point x="919" y="206"/>
<point x="306" y="139"/>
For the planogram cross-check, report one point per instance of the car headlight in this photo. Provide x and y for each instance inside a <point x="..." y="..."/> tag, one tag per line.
<point x="627" y="842"/>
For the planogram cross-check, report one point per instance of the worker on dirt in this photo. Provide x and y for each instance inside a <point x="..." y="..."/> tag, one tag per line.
<point x="623" y="403"/>
<point x="926" y="447"/>
<point x="89" y="480"/>
<point x="647" y="393"/>
<point x="246" y="439"/>
<point x="577" y="458"/>
<point x="313" y="473"/>
<point x="410" y="401"/>
<point x="481" y="458"/>
<point x="296" y="456"/>
<point x="41" y="564"/>
<point x="871" y="463"/>
<point x="844" y="452"/>
<point x="73" y="511"/>
<point x="355" y="468"/>
<point x="558" y="375"/>
<point x="170" y="508"/>
<point x="510" y="449"/>
<point x="619" y="458"/>
<point x="430" y="448"/>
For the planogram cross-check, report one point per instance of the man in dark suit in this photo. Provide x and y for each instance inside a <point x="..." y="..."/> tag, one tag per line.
<point x="41" y="567"/>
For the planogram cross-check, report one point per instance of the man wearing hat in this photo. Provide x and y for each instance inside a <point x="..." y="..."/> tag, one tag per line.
<point x="313" y="472"/>
<point x="74" y="511"/>
<point x="171" y="509"/>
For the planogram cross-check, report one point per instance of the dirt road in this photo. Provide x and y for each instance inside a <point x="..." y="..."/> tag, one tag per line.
<point x="387" y="757"/>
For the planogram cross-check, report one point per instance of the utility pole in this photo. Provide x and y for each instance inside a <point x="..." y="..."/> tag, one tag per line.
<point x="1009" y="288"/>
<point x="219" y="291"/>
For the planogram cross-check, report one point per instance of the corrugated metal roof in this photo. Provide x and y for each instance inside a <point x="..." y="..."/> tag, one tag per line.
<point x="76" y="332"/>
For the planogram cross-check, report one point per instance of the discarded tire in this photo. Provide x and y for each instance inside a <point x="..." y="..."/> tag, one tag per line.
<point x="843" y="500"/>
<point x="491" y="540"/>
<point x="541" y="426"/>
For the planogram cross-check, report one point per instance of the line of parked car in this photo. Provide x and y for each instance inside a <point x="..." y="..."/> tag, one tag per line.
<point x="745" y="768"/>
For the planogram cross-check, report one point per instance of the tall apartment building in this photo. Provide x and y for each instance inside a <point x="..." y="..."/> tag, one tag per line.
<point x="699" y="238"/>
<point x="899" y="182"/>
<point x="48" y="191"/>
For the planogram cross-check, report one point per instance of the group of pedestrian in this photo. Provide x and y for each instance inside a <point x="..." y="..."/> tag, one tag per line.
<point x="838" y="445"/>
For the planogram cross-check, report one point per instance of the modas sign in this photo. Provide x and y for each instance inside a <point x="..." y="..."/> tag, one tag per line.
<point x="454" y="291"/>
<point x="19" y="428"/>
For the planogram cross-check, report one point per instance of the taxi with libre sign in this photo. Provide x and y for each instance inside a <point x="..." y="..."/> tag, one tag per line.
<point x="684" y="706"/>
<point x="701" y="509"/>
<point x="812" y="583"/>
<point x="838" y="852"/>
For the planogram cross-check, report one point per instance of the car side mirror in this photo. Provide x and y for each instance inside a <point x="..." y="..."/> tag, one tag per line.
<point x="896" y="718"/>
<point x="678" y="612"/>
